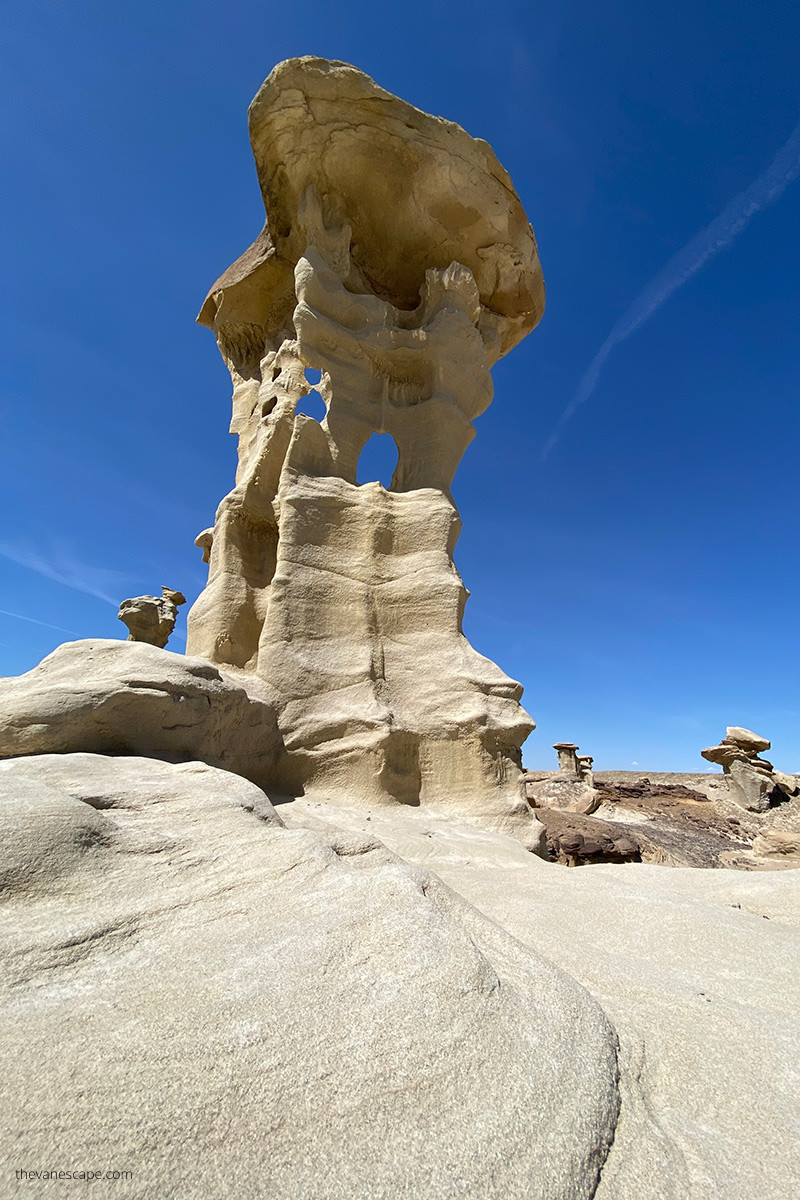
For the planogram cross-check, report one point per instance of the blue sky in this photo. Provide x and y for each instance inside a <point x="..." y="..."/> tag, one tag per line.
<point x="641" y="577"/>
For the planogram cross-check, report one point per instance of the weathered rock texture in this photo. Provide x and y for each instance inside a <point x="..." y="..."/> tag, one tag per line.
<point x="227" y="1007"/>
<point x="114" y="697"/>
<point x="575" y="840"/>
<point x="676" y="820"/>
<point x="698" y="971"/>
<point x="396" y="261"/>
<point x="752" y="781"/>
<point x="232" y="1002"/>
<point x="151" y="618"/>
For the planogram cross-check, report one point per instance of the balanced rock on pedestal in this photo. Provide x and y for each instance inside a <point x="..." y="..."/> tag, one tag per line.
<point x="572" y="789"/>
<point x="397" y="262"/>
<point x="151" y="618"/>
<point x="753" y="782"/>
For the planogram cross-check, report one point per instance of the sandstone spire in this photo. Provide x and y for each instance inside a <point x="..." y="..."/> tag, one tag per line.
<point x="397" y="261"/>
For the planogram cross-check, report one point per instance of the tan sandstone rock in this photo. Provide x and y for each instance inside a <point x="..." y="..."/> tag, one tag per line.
<point x="752" y="782"/>
<point x="417" y="192"/>
<point x="746" y="739"/>
<point x="398" y="262"/>
<point x="698" y="970"/>
<point x="282" y="1008"/>
<point x="783" y="845"/>
<point x="751" y="786"/>
<point x="227" y="1007"/>
<point x="789" y="784"/>
<point x="151" y="618"/>
<point x="114" y="697"/>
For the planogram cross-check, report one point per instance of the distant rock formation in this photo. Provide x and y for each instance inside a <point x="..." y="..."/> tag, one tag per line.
<point x="572" y="763"/>
<point x="151" y="619"/>
<point x="753" y="782"/>
<point x="571" y="790"/>
<point x="398" y="263"/>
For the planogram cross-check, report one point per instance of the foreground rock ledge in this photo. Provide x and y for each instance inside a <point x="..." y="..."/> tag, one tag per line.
<point x="697" y="970"/>
<point x="284" y="1008"/>
<point x="115" y="697"/>
<point x="227" y="1007"/>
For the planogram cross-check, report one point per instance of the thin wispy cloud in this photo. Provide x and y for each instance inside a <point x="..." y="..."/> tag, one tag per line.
<point x="61" y="567"/>
<point x="720" y="234"/>
<point x="4" y="612"/>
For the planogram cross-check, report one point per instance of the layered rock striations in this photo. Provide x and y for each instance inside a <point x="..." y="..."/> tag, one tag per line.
<point x="398" y="263"/>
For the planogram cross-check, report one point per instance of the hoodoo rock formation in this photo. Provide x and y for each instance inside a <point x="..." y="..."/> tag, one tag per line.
<point x="753" y="782"/>
<point x="397" y="262"/>
<point x="386" y="997"/>
<point x="151" y="618"/>
<point x="571" y="790"/>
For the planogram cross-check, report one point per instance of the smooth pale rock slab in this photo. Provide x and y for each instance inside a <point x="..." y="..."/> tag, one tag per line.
<point x="44" y="833"/>
<point x="700" y="973"/>
<point x="111" y="697"/>
<point x="227" y="1007"/>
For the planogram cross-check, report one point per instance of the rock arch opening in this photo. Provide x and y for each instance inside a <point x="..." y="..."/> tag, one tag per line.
<point x="311" y="405"/>
<point x="378" y="460"/>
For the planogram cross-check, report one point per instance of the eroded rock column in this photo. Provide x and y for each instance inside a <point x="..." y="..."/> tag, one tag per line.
<point x="397" y="262"/>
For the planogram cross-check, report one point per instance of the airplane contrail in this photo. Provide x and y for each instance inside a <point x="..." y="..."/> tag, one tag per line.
<point x="717" y="236"/>
<point x="62" y="568"/>
<point x="5" y="612"/>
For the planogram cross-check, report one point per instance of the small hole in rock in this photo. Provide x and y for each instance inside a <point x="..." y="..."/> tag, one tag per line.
<point x="378" y="460"/>
<point x="313" y="375"/>
<point x="311" y="405"/>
